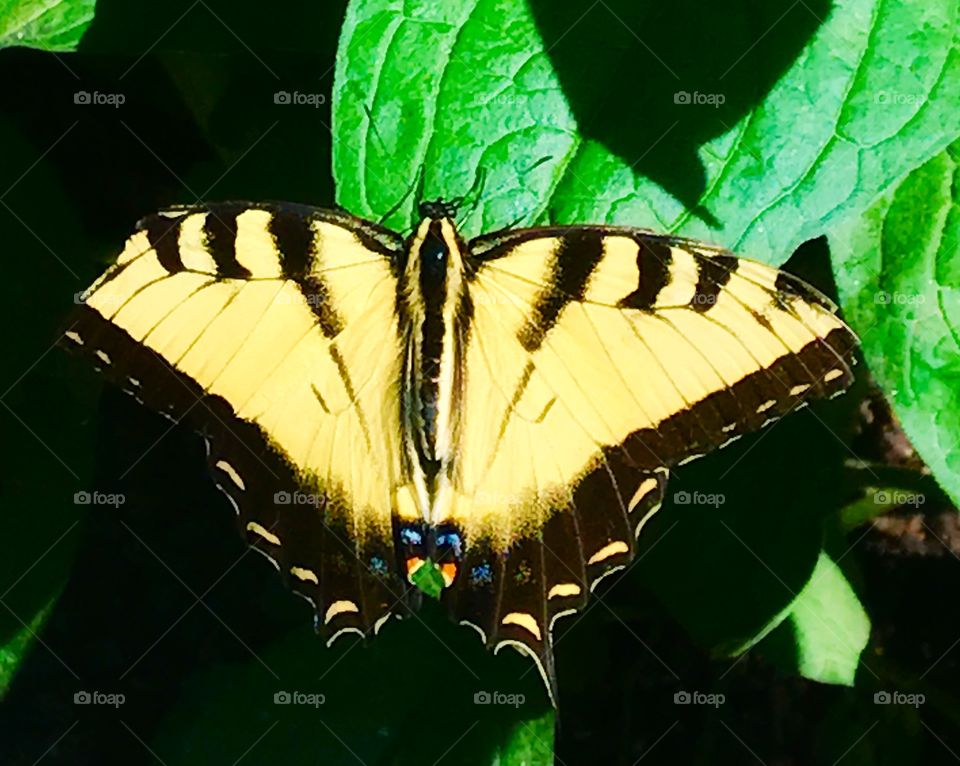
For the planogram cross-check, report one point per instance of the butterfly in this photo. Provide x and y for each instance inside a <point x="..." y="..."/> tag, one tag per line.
<point x="504" y="410"/>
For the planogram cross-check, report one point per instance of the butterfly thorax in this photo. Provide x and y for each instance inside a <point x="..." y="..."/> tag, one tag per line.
<point x="432" y="300"/>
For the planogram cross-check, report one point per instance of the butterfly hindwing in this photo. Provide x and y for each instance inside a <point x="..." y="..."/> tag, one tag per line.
<point x="514" y="596"/>
<point x="270" y="329"/>
<point x="598" y="358"/>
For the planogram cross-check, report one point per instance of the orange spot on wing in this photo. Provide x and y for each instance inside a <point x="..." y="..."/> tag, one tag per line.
<point x="449" y="572"/>
<point x="413" y="564"/>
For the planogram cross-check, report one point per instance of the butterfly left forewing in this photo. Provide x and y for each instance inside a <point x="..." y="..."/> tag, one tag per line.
<point x="597" y="359"/>
<point x="270" y="329"/>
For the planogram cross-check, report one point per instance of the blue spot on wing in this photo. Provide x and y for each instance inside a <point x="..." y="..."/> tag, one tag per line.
<point x="481" y="574"/>
<point x="451" y="540"/>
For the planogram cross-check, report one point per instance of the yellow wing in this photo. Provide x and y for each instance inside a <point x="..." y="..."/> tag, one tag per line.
<point x="598" y="358"/>
<point x="271" y="329"/>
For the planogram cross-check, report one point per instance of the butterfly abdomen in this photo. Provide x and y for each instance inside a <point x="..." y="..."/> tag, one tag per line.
<point x="433" y="257"/>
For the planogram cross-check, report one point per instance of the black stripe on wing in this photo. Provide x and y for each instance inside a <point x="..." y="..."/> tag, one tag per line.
<point x="220" y="240"/>
<point x="713" y="274"/>
<point x="163" y="234"/>
<point x="295" y="240"/>
<point x="578" y="254"/>
<point x="653" y="272"/>
<point x="821" y="369"/>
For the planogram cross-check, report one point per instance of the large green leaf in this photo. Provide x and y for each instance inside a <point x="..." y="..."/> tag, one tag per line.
<point x="50" y="25"/>
<point x="898" y="273"/>
<point x="433" y="94"/>
<point x="538" y="113"/>
<point x="869" y="94"/>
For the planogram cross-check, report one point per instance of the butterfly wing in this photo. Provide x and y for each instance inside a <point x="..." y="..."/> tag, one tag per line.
<point x="597" y="359"/>
<point x="270" y="329"/>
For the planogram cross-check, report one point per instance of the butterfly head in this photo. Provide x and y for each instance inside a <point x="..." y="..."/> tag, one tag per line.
<point x="438" y="209"/>
<point x="435" y="250"/>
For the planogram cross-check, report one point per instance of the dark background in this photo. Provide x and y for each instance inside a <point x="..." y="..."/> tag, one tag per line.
<point x="159" y="599"/>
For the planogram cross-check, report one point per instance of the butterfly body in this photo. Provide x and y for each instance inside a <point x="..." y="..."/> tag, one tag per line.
<point x="434" y="310"/>
<point x="507" y="408"/>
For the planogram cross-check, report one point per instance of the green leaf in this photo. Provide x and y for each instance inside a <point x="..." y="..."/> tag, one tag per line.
<point x="877" y="501"/>
<point x="38" y="496"/>
<point x="800" y="143"/>
<point x="828" y="625"/>
<point x="730" y="550"/>
<point x="860" y="103"/>
<point x="428" y="579"/>
<point x="50" y="25"/>
<point x="12" y="653"/>
<point x="898" y="272"/>
<point x="391" y="119"/>
<point x="529" y="743"/>
<point x="839" y="126"/>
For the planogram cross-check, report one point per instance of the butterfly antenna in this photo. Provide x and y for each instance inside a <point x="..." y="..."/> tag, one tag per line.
<point x="476" y="191"/>
<point x="397" y="205"/>
<point x="383" y="151"/>
<point x="419" y="197"/>
<point x="517" y="221"/>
